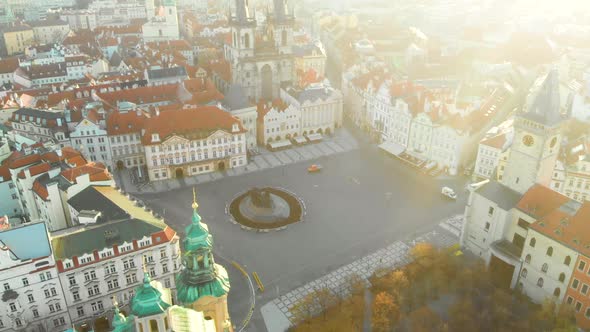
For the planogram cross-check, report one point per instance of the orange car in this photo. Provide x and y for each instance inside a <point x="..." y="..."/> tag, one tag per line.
<point x="314" y="168"/>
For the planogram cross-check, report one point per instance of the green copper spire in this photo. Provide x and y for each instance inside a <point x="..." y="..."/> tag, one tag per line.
<point x="200" y="276"/>
<point x="197" y="233"/>
<point x="147" y="300"/>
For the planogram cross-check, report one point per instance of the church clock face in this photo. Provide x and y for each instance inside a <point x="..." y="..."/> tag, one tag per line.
<point x="528" y="140"/>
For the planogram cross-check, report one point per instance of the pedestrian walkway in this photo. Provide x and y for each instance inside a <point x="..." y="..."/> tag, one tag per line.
<point x="277" y="314"/>
<point x="341" y="142"/>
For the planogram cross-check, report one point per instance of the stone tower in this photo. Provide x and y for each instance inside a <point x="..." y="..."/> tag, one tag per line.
<point x="261" y="58"/>
<point x="203" y="285"/>
<point x="537" y="139"/>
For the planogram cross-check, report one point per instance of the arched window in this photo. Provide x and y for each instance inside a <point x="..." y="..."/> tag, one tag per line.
<point x="533" y="242"/>
<point x="556" y="292"/>
<point x="524" y="273"/>
<point x="562" y="277"/>
<point x="567" y="260"/>
<point x="527" y="259"/>
<point x="550" y="251"/>
<point x="540" y="282"/>
<point x="545" y="267"/>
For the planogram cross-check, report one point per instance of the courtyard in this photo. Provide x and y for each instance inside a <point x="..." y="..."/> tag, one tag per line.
<point x="360" y="202"/>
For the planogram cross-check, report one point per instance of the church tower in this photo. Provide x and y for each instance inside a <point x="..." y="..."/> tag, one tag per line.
<point x="203" y="285"/>
<point x="283" y="21"/>
<point x="243" y="32"/>
<point x="537" y="139"/>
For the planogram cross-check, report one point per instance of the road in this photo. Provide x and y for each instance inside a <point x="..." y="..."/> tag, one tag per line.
<point x="360" y="202"/>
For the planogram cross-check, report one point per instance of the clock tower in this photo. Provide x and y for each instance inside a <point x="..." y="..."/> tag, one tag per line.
<point x="537" y="138"/>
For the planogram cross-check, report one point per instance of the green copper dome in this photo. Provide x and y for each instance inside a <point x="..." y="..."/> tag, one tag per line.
<point x="187" y="292"/>
<point x="147" y="300"/>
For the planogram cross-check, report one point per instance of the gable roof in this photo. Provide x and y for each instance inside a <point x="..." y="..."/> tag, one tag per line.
<point x="498" y="193"/>
<point x="539" y="201"/>
<point x="201" y="120"/>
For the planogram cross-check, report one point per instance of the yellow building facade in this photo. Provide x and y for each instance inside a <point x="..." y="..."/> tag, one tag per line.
<point x="18" y="38"/>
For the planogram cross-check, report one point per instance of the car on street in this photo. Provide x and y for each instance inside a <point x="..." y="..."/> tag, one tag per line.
<point x="314" y="168"/>
<point x="448" y="192"/>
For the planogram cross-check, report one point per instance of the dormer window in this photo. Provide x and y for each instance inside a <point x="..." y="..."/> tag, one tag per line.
<point x="235" y="128"/>
<point x="155" y="137"/>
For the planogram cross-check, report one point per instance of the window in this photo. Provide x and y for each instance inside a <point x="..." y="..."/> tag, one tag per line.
<point x="578" y="306"/>
<point x="80" y="311"/>
<point x="31" y="298"/>
<point x="570" y="300"/>
<point x="12" y="306"/>
<point x="581" y="265"/>
<point x="527" y="259"/>
<point x="575" y="284"/>
<point x="556" y="292"/>
<point x="25" y="282"/>
<point x="35" y="313"/>
<point x="112" y="284"/>
<point x="540" y="282"/>
<point x="76" y="295"/>
<point x="533" y="242"/>
<point x="6" y="286"/>
<point x="72" y="280"/>
<point x="567" y="260"/>
<point x="47" y="293"/>
<point x="562" y="277"/>
<point x="550" y="251"/>
<point x="94" y="290"/>
<point x="584" y="289"/>
<point x="524" y="273"/>
<point x="487" y="226"/>
<point x="491" y="211"/>
<point x="18" y="322"/>
<point x="544" y="268"/>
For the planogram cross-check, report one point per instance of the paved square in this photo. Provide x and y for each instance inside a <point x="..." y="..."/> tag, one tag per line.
<point x="345" y="219"/>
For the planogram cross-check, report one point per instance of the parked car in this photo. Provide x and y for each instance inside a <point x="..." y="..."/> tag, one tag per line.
<point x="448" y="192"/>
<point x="314" y="168"/>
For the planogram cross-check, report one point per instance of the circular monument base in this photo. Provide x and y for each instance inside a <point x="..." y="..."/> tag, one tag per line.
<point x="279" y="209"/>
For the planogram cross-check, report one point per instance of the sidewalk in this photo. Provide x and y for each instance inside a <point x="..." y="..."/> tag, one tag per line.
<point x="277" y="315"/>
<point x="342" y="141"/>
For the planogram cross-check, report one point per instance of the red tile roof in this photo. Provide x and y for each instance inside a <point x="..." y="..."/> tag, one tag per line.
<point x="141" y="95"/>
<point x="572" y="231"/>
<point x="188" y="121"/>
<point x="539" y="201"/>
<point x="497" y="141"/>
<point x="222" y="68"/>
<point x="203" y="91"/>
<point x="35" y="170"/>
<point x="96" y="171"/>
<point x="5" y="173"/>
<point x="119" y="123"/>
<point x="40" y="190"/>
<point x="24" y="161"/>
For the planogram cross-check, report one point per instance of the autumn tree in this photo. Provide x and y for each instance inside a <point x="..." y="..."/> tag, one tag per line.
<point x="385" y="312"/>
<point x="462" y="315"/>
<point x="324" y="299"/>
<point x="304" y="309"/>
<point x="425" y="320"/>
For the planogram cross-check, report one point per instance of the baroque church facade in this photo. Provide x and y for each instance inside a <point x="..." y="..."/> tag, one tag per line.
<point x="201" y="292"/>
<point x="261" y="57"/>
